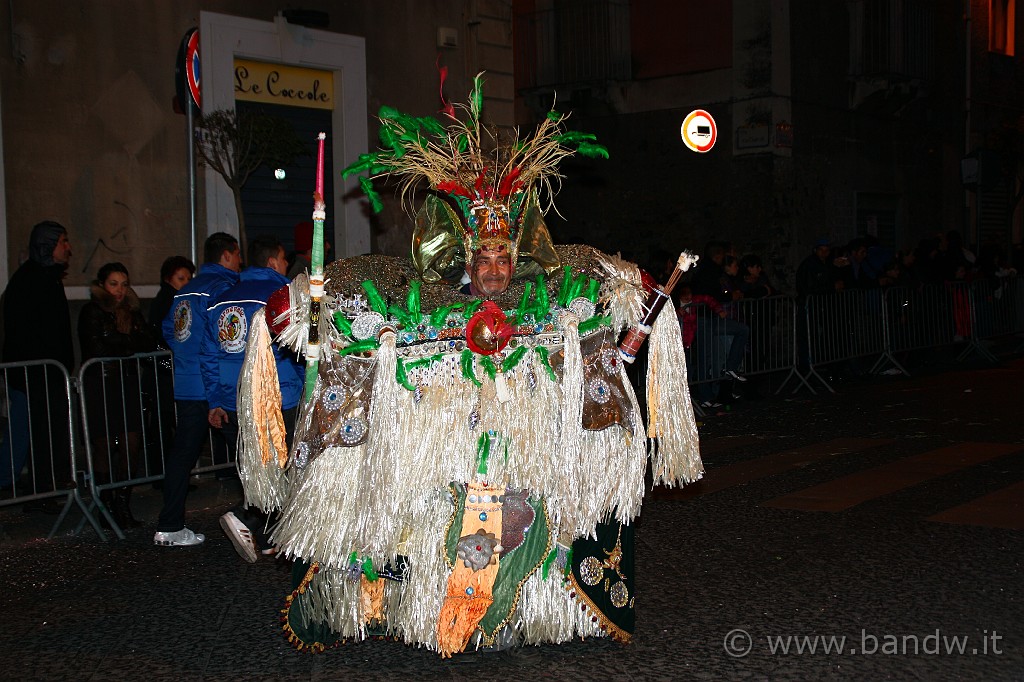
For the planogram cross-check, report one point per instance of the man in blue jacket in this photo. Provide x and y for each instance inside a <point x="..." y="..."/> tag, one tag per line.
<point x="184" y="328"/>
<point x="228" y="321"/>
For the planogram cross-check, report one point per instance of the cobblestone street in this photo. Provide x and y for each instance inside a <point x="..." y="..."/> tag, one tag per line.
<point x="884" y="524"/>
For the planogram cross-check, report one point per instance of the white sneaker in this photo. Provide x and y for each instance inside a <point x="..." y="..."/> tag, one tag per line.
<point x="240" y="536"/>
<point x="180" y="538"/>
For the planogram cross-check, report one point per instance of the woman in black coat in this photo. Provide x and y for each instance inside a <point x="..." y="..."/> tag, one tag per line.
<point x="112" y="326"/>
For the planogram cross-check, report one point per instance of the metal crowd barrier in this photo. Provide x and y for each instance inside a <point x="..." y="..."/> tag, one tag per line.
<point x="38" y="455"/>
<point x="127" y="419"/>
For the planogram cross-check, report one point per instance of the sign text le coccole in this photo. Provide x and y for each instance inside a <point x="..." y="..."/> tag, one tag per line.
<point x="281" y="84"/>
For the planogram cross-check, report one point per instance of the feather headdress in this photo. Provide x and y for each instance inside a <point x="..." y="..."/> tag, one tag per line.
<point x="492" y="182"/>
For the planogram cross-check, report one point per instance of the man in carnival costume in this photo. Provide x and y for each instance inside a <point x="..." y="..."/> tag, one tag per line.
<point x="467" y="462"/>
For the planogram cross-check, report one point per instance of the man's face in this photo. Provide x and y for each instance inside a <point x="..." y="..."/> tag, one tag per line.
<point x="491" y="271"/>
<point x="232" y="259"/>
<point x="62" y="250"/>
<point x="279" y="263"/>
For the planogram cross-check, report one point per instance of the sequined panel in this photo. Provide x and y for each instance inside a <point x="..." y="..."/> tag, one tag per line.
<point x="341" y="404"/>
<point x="607" y="402"/>
<point x="591" y="571"/>
<point x="516" y="518"/>
<point x="619" y="594"/>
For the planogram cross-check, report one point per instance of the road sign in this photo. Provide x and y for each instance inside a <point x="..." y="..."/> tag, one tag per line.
<point x="699" y="131"/>
<point x="192" y="67"/>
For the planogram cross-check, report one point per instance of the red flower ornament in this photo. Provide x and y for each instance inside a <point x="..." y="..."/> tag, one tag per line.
<point x="488" y="331"/>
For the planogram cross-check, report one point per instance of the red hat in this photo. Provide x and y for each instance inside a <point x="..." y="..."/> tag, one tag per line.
<point x="303" y="236"/>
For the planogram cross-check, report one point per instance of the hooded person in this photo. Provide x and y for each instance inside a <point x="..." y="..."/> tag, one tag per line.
<point x="37" y="326"/>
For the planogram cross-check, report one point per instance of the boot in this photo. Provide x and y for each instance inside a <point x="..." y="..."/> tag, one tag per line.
<point x="122" y="509"/>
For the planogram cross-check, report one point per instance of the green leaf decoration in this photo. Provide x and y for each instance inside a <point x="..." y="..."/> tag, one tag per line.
<point x="513" y="359"/>
<point x="342" y="323"/>
<point x="554" y="116"/>
<point x="543" y="353"/>
<point x="374" y="298"/>
<point x="547" y="563"/>
<point x="471" y="308"/>
<point x="412" y="301"/>
<point x="440" y="315"/>
<point x="467" y="367"/>
<point x="489" y="366"/>
<point x="593" y="288"/>
<point x="369" y="571"/>
<point x="523" y="304"/>
<point x="563" y="291"/>
<point x="401" y="376"/>
<point x="542" y="306"/>
<point x="359" y="347"/>
<point x="594" y="322"/>
<point x="483" y="451"/>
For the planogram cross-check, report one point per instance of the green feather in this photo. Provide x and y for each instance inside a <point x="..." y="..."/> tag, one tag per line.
<point x="365" y="162"/>
<point x="575" y="137"/>
<point x="554" y="116"/>
<point x="477" y="97"/>
<point x="594" y="151"/>
<point x="593" y="287"/>
<point x="483" y="451"/>
<point x="431" y="125"/>
<point x="366" y="184"/>
<point x="547" y="563"/>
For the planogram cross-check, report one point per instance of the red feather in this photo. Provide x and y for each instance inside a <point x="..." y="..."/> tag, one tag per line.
<point x="508" y="184"/>
<point x="452" y="187"/>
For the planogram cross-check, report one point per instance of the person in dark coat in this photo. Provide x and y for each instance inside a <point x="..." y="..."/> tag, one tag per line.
<point x="176" y="272"/>
<point x="111" y="325"/>
<point x="37" y="326"/>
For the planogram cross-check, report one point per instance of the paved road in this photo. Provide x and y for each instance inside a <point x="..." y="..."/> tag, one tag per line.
<point x="889" y="514"/>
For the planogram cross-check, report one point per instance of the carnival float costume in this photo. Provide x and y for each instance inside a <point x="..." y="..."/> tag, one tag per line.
<point x="465" y="471"/>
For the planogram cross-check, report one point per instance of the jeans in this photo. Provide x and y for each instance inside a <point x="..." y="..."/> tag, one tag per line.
<point x="191" y="430"/>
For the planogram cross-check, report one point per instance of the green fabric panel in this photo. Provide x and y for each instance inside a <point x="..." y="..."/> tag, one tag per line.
<point x="515" y="568"/>
<point x="315" y="632"/>
<point x="455" y="529"/>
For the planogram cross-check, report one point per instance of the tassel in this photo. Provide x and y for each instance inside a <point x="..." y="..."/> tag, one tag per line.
<point x="262" y="452"/>
<point x="675" y="449"/>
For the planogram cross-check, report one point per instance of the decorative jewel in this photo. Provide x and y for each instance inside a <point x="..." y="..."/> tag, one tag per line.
<point x="352" y="430"/>
<point x="355" y="571"/>
<point x="619" y="594"/>
<point x="483" y="516"/>
<point x="302" y="455"/>
<point x="591" y="571"/>
<point x="470" y="591"/>
<point x="583" y="307"/>
<point x="334" y="397"/>
<point x="599" y="391"/>
<point x="367" y="325"/>
<point x="477" y="550"/>
<point x="531" y="379"/>
<point x="610" y="360"/>
<point x="417" y="395"/>
<point x="474" y="419"/>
